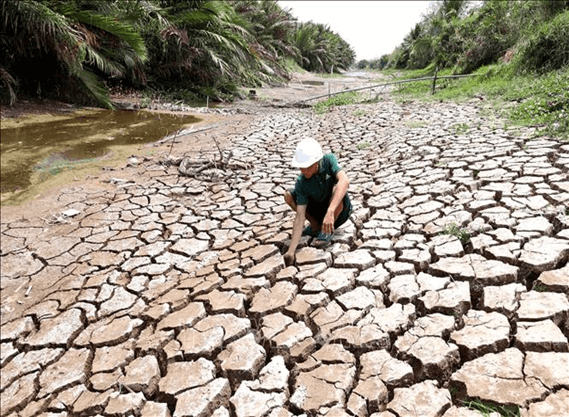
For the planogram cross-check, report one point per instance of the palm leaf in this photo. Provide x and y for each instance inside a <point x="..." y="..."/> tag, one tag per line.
<point x="35" y="24"/>
<point x="108" y="24"/>
<point x="104" y="64"/>
<point x="95" y="87"/>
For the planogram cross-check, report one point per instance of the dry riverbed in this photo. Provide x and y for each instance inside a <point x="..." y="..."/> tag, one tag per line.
<point x="157" y="294"/>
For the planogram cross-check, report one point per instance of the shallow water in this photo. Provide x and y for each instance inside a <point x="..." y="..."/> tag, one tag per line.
<point x="34" y="150"/>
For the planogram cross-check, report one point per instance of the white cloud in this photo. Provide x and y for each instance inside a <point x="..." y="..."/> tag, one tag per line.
<point x="372" y="28"/>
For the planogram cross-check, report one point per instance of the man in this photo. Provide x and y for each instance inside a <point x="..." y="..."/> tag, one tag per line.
<point x="319" y="196"/>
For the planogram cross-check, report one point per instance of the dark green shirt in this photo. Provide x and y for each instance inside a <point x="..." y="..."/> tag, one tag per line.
<point x="316" y="191"/>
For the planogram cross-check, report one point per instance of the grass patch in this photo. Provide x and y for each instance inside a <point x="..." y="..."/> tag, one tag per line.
<point x="535" y="100"/>
<point x="486" y="408"/>
<point x="323" y="107"/>
<point x="363" y="145"/>
<point x="359" y="113"/>
<point x="454" y="230"/>
<point x="460" y="129"/>
<point x="540" y="288"/>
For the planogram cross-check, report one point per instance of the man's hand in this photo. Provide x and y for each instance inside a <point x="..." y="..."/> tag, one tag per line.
<point x="289" y="258"/>
<point x="328" y="223"/>
<point x="296" y="234"/>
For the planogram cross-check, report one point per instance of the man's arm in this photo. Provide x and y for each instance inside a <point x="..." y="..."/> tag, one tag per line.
<point x="296" y="234"/>
<point x="340" y="191"/>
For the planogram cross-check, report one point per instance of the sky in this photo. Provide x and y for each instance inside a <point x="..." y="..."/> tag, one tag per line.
<point x="372" y="28"/>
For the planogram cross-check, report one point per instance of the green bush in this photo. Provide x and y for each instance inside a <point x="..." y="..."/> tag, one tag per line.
<point x="546" y="49"/>
<point x="487" y="34"/>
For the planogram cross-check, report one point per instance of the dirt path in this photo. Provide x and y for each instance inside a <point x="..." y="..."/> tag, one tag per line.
<point x="166" y="295"/>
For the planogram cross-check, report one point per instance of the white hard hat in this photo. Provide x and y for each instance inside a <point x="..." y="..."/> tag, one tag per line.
<point x="307" y="153"/>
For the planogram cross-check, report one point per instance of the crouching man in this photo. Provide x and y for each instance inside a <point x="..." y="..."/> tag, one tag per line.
<point x="319" y="195"/>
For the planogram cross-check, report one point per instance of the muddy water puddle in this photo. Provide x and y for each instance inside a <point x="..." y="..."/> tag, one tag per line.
<point x="35" y="149"/>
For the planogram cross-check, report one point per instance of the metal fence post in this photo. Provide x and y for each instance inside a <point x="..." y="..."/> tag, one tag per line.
<point x="435" y="79"/>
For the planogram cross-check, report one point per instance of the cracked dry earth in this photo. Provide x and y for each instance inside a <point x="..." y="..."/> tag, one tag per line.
<point x="168" y="296"/>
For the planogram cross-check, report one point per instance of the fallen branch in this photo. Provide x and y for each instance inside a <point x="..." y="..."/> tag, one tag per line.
<point x="219" y="168"/>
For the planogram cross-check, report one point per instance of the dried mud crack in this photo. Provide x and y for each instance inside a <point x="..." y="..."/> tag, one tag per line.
<point x="167" y="295"/>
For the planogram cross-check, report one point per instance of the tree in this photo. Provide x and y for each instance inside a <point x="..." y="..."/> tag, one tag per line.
<point x="465" y="35"/>
<point x="204" y="45"/>
<point x="321" y="49"/>
<point x="45" y="44"/>
<point x="271" y="30"/>
<point x="416" y="49"/>
<point x="192" y="48"/>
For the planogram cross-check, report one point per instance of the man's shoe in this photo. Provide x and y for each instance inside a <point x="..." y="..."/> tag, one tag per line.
<point x="309" y="232"/>
<point x="324" y="237"/>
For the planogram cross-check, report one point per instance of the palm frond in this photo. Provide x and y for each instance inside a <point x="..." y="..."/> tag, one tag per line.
<point x="102" y="63"/>
<point x="122" y="31"/>
<point x="37" y="25"/>
<point x="95" y="87"/>
<point x="219" y="62"/>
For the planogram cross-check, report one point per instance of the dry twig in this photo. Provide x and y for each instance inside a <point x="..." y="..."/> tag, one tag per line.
<point x="213" y="169"/>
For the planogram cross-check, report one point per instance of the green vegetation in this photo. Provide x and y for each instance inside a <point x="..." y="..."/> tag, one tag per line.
<point x="375" y="64"/>
<point x="460" y="128"/>
<point x="465" y="35"/>
<point x="517" y="49"/>
<point x="363" y="145"/>
<point x="343" y="99"/>
<point x="537" y="100"/>
<point x="540" y="288"/>
<point x="183" y="51"/>
<point x="454" y="230"/>
<point x="359" y="113"/>
<point x="486" y="408"/>
<point x="321" y="49"/>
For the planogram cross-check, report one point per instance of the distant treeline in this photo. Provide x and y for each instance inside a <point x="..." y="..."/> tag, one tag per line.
<point x="466" y="35"/>
<point x="75" y="50"/>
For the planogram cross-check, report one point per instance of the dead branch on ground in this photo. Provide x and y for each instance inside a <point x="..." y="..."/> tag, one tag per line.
<point x="219" y="168"/>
